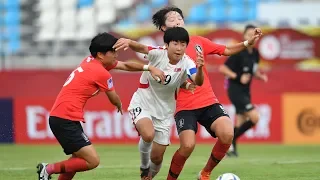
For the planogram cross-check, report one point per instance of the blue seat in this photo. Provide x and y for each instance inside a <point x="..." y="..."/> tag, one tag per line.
<point x="252" y="12"/>
<point x="11" y="33"/>
<point x="13" y="46"/>
<point x="236" y="2"/>
<point x="217" y="14"/>
<point x="216" y="2"/>
<point x="85" y="3"/>
<point x="198" y="14"/>
<point x="12" y="18"/>
<point x="143" y="13"/>
<point x="237" y="14"/>
<point x="159" y="3"/>
<point x="11" y="4"/>
<point x="125" y="23"/>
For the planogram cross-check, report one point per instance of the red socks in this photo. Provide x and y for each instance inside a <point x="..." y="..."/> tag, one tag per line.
<point x="218" y="152"/>
<point x="71" y="165"/>
<point x="176" y="166"/>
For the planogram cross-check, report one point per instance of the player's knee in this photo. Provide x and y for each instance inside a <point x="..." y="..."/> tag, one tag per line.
<point x="227" y="137"/>
<point x="148" y="136"/>
<point x="254" y="117"/>
<point x="93" y="162"/>
<point x="187" y="148"/>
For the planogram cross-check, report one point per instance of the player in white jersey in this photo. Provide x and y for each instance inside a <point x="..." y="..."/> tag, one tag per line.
<point x="153" y="105"/>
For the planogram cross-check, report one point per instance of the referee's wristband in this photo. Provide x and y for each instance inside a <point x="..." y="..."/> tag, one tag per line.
<point x="145" y="67"/>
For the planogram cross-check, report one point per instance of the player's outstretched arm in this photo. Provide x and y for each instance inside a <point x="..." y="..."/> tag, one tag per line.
<point x="261" y="76"/>
<point x="114" y="99"/>
<point x="235" y="48"/>
<point x="124" y="44"/>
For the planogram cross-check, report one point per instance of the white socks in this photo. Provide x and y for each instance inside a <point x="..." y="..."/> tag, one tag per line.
<point x="145" y="150"/>
<point x="154" y="169"/>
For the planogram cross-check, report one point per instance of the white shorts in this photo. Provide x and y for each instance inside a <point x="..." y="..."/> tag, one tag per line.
<point x="161" y="127"/>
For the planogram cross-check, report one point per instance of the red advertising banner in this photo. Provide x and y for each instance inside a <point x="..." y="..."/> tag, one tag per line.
<point x="105" y="125"/>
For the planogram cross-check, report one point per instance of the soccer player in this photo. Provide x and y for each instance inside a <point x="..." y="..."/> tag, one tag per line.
<point x="240" y="69"/>
<point x="202" y="105"/>
<point x="66" y="114"/>
<point x="153" y="105"/>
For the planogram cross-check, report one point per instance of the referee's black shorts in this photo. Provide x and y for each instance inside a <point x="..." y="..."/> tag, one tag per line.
<point x="69" y="134"/>
<point x="241" y="100"/>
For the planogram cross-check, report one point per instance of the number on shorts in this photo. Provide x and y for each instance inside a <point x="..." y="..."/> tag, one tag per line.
<point x="135" y="112"/>
<point x="70" y="78"/>
<point x="224" y="111"/>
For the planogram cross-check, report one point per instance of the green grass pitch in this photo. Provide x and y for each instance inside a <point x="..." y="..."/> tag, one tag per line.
<point x="121" y="162"/>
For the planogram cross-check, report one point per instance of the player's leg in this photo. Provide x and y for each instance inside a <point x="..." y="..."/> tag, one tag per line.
<point x="250" y="116"/>
<point x="186" y="122"/>
<point x="67" y="176"/>
<point x="160" y="142"/>
<point x="241" y="119"/>
<point x="143" y="123"/>
<point x="74" y="141"/>
<point x="217" y="122"/>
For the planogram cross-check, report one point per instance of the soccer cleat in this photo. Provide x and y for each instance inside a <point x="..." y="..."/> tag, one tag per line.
<point x="42" y="172"/>
<point x="203" y="175"/>
<point x="145" y="174"/>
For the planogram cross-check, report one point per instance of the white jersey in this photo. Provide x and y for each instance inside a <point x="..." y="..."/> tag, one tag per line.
<point x="160" y="99"/>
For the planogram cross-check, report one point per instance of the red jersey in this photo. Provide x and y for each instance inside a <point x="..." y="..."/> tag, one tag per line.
<point x="203" y="95"/>
<point x="83" y="83"/>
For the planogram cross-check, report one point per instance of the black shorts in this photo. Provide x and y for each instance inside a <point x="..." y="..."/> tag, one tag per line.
<point x="241" y="100"/>
<point x="69" y="134"/>
<point x="187" y="119"/>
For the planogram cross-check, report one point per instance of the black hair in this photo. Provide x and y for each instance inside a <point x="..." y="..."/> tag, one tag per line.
<point x="178" y="34"/>
<point x="249" y="26"/>
<point x="159" y="18"/>
<point x="103" y="42"/>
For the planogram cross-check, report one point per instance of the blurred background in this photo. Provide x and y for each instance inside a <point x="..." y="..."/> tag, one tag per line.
<point x="42" y="41"/>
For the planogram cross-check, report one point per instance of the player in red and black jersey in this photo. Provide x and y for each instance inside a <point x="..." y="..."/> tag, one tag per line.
<point x="86" y="81"/>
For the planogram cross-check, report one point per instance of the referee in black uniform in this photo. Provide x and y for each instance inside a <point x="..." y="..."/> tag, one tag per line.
<point x="240" y="69"/>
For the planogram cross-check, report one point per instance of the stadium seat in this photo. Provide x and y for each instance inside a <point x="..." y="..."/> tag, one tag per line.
<point x="236" y="2"/>
<point x="216" y="2"/>
<point x="46" y="33"/>
<point x="84" y="3"/>
<point x="217" y="14"/>
<point x="44" y="5"/>
<point x="86" y="32"/>
<point x="12" y="18"/>
<point x="198" y="14"/>
<point x="67" y="25"/>
<point x="103" y="3"/>
<point x="13" y="46"/>
<point x="47" y="17"/>
<point x="123" y="4"/>
<point x="252" y="12"/>
<point x="67" y="4"/>
<point x="85" y="15"/>
<point x="106" y="13"/>
<point x="143" y="13"/>
<point x="11" y="4"/>
<point x="158" y="3"/>
<point x="237" y="14"/>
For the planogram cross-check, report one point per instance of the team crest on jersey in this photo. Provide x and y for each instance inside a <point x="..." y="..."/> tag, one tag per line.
<point x="177" y="69"/>
<point x="110" y="83"/>
<point x="198" y="48"/>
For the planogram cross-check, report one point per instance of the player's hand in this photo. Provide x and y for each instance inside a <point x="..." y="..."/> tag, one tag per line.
<point x="157" y="74"/>
<point x="255" y="37"/>
<point x="192" y="87"/>
<point x="245" y="78"/>
<point x="122" y="43"/>
<point x="264" y="78"/>
<point x="200" y="60"/>
<point x="119" y="107"/>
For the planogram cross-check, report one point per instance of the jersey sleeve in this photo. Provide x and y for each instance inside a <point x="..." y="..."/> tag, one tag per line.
<point x="190" y="68"/>
<point x="112" y="66"/>
<point x="155" y="54"/>
<point x="211" y="47"/>
<point x="104" y="81"/>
